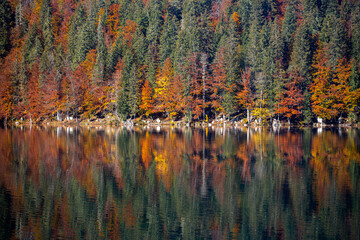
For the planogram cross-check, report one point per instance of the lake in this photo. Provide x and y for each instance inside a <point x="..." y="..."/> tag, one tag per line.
<point x="170" y="183"/>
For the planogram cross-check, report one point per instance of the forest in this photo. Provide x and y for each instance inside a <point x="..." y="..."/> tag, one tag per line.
<point x="292" y="60"/>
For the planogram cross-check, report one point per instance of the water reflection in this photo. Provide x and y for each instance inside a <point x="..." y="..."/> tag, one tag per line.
<point x="175" y="183"/>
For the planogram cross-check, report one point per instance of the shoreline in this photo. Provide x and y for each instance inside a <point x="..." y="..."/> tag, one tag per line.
<point x="167" y="123"/>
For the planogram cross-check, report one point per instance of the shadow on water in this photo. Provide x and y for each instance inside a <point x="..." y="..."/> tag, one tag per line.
<point x="171" y="183"/>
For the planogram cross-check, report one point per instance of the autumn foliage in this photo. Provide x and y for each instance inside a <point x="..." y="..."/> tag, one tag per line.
<point x="292" y="60"/>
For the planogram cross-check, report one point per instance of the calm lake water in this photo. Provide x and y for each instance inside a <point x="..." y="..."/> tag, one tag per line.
<point x="162" y="183"/>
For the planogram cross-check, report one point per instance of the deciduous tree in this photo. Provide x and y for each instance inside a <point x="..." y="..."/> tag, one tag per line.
<point x="147" y="101"/>
<point x="245" y="96"/>
<point x="291" y="99"/>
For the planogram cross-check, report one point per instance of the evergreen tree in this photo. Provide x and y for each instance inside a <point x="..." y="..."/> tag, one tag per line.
<point x="355" y="50"/>
<point x="33" y="48"/>
<point x="288" y="31"/>
<point x="128" y="96"/>
<point x="155" y="22"/>
<point x="81" y="37"/>
<point x="140" y="46"/>
<point x="253" y="47"/>
<point x="6" y="20"/>
<point x="47" y="58"/>
<point x="333" y="35"/>
<point x="168" y="38"/>
<point x="302" y="54"/>
<point x="101" y="53"/>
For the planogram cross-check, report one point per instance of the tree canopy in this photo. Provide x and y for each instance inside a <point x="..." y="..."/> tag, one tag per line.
<point x="292" y="60"/>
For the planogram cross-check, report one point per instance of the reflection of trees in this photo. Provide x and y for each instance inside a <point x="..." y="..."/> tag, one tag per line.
<point x="117" y="183"/>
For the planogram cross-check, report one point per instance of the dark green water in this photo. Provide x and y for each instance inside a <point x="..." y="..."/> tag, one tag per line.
<point x="88" y="183"/>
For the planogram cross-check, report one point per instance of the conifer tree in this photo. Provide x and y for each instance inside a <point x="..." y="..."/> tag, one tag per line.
<point x="101" y="53"/>
<point x="288" y="31"/>
<point x="168" y="38"/>
<point x="6" y="20"/>
<point x="301" y="57"/>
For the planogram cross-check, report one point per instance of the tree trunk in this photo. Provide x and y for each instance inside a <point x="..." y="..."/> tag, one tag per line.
<point x="248" y="115"/>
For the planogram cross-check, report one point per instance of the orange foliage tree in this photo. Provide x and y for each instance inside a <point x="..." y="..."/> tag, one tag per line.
<point x="92" y="93"/>
<point x="217" y="85"/>
<point x="34" y="109"/>
<point x="321" y="103"/>
<point x="147" y="102"/>
<point x="112" y="24"/>
<point x="6" y="89"/>
<point x="291" y="98"/>
<point x="340" y="87"/>
<point x="51" y="90"/>
<point x="330" y="88"/>
<point x="176" y="103"/>
<point x="128" y="31"/>
<point x="319" y="87"/>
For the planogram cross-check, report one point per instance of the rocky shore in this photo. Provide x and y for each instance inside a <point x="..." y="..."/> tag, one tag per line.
<point x="111" y="121"/>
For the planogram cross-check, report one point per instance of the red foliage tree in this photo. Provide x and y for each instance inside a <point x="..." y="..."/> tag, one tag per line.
<point x="245" y="96"/>
<point x="291" y="98"/>
<point x="217" y="85"/>
<point x="51" y="90"/>
<point x="6" y="90"/>
<point x="34" y="106"/>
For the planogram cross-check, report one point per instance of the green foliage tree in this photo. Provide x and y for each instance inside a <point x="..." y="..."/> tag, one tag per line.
<point x="6" y="20"/>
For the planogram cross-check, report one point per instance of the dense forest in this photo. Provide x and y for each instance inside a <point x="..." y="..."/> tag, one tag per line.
<point x="293" y="60"/>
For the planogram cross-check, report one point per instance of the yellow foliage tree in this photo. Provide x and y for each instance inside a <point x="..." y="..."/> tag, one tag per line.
<point x="147" y="102"/>
<point x="162" y="88"/>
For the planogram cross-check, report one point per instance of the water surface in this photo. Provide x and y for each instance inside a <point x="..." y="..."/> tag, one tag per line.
<point x="163" y="183"/>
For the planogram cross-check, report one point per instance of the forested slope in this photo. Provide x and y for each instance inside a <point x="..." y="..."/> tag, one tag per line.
<point x="289" y="59"/>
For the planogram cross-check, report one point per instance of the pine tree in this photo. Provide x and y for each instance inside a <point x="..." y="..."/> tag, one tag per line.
<point x="47" y="57"/>
<point x="333" y="36"/>
<point x="155" y="22"/>
<point x="6" y="20"/>
<point x="140" y="46"/>
<point x="101" y="53"/>
<point x="355" y="43"/>
<point x="252" y="47"/>
<point x="33" y="47"/>
<point x="288" y="31"/>
<point x="77" y="22"/>
<point x="129" y="90"/>
<point x="168" y="38"/>
<point x="302" y="54"/>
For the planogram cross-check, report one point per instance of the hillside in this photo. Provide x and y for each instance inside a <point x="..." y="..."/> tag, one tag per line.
<point x="294" y="60"/>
